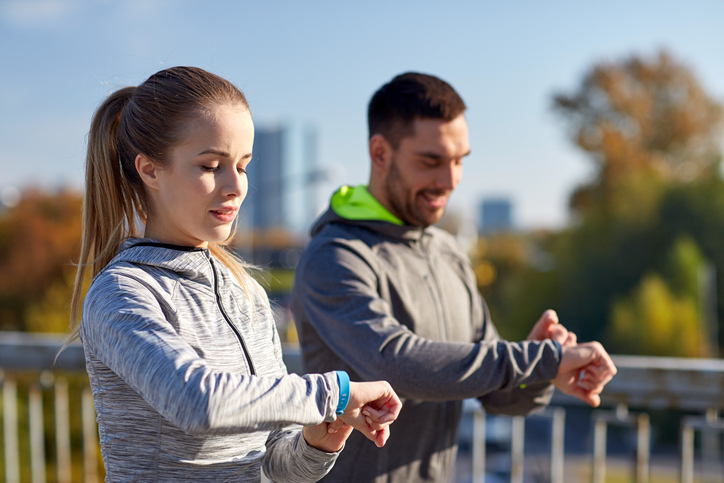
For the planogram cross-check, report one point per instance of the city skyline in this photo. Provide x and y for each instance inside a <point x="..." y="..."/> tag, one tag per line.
<point x="320" y="63"/>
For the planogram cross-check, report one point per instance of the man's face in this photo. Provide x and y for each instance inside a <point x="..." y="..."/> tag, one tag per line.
<point x="425" y="168"/>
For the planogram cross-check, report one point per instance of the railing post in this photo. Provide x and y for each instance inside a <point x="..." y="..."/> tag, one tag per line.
<point x="599" y="451"/>
<point x="479" y="446"/>
<point x="517" y="446"/>
<point x="10" y="430"/>
<point x="90" y="439"/>
<point x="37" y="434"/>
<point x="62" y="430"/>
<point x="710" y="446"/>
<point x="558" y="444"/>
<point x="643" y="439"/>
<point x="687" y="453"/>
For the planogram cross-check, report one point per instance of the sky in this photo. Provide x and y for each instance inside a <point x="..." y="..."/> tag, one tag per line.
<point x="318" y="62"/>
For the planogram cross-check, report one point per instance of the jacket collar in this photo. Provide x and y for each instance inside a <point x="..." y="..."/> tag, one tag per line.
<point x="189" y="262"/>
<point x="356" y="206"/>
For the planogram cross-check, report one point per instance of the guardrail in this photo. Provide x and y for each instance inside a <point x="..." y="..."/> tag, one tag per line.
<point x="57" y="391"/>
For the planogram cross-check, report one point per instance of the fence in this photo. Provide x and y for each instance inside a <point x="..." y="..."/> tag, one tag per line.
<point x="36" y="391"/>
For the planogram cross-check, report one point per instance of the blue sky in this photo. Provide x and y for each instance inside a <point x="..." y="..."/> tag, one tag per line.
<point x="319" y="62"/>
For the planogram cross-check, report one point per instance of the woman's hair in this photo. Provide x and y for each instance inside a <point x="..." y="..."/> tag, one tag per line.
<point x="150" y="119"/>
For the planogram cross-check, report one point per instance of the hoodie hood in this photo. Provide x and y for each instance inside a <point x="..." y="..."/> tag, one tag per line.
<point x="357" y="203"/>
<point x="356" y="206"/>
<point x="188" y="262"/>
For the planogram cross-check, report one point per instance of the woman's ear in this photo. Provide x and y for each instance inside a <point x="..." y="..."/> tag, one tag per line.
<point x="380" y="153"/>
<point x="147" y="171"/>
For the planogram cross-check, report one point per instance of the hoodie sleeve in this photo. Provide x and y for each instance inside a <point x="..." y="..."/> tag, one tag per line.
<point x="336" y="296"/>
<point x="289" y="458"/>
<point x="520" y="400"/>
<point x="125" y="328"/>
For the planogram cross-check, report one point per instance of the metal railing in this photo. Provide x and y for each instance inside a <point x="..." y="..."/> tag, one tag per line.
<point x="50" y="434"/>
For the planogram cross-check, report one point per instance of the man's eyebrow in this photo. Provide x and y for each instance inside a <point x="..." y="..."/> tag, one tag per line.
<point x="438" y="157"/>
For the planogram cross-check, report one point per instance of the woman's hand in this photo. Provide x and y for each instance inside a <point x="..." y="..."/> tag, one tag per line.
<point x="321" y="437"/>
<point x="371" y="408"/>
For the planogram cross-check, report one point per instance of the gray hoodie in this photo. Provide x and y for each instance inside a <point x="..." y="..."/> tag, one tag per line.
<point x="187" y="383"/>
<point x="387" y="301"/>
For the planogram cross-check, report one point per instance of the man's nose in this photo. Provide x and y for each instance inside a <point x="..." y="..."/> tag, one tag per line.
<point x="449" y="176"/>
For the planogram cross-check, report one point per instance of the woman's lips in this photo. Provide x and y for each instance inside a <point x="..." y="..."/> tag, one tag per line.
<point x="225" y="215"/>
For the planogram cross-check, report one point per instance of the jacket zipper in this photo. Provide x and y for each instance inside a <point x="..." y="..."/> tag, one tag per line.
<point x="228" y="320"/>
<point x="436" y="286"/>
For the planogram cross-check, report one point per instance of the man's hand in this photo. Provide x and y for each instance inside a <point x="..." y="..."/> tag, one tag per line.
<point x="548" y="327"/>
<point x="583" y="372"/>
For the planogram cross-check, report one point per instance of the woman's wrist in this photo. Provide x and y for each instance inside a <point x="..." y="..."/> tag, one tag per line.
<point x="343" y="381"/>
<point x="318" y="437"/>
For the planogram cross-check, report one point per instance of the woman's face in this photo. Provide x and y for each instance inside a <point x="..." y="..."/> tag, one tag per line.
<point x="197" y="197"/>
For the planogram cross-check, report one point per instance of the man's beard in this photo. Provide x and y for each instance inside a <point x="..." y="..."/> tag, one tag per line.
<point x="399" y="201"/>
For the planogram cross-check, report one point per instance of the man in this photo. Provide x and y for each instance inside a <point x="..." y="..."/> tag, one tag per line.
<point x="381" y="294"/>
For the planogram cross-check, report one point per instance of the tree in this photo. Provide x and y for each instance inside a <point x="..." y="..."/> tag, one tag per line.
<point x="39" y="241"/>
<point x="653" y="136"/>
<point x="661" y="316"/>
<point x="641" y="118"/>
<point x="517" y="277"/>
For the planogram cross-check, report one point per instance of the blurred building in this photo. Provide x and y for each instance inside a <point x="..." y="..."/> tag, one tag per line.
<point x="496" y="214"/>
<point x="281" y="180"/>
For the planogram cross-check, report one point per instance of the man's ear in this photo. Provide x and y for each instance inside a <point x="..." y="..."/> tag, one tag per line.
<point x="147" y="171"/>
<point x="380" y="153"/>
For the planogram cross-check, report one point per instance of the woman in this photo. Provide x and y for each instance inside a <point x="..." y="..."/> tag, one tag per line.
<point x="181" y="348"/>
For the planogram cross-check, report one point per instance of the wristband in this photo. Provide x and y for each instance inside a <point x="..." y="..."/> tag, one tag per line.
<point x="343" y="381"/>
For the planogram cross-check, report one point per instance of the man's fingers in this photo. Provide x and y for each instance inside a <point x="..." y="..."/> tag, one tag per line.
<point x="571" y="340"/>
<point x="542" y="329"/>
<point x="589" y="398"/>
<point x="558" y="333"/>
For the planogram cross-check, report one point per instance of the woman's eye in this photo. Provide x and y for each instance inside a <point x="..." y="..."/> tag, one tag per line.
<point x="209" y="169"/>
<point x="241" y="170"/>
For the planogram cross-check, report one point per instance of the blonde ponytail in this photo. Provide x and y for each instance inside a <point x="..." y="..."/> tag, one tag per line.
<point x="108" y="203"/>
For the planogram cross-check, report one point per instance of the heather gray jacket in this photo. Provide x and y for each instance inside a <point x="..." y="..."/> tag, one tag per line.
<point x="188" y="385"/>
<point x="400" y="303"/>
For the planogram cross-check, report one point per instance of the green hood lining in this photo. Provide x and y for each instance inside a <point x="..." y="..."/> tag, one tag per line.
<point x="357" y="203"/>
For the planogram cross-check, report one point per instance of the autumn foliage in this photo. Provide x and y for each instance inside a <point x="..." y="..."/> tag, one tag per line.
<point x="39" y="241"/>
<point x="646" y="226"/>
<point x="641" y="117"/>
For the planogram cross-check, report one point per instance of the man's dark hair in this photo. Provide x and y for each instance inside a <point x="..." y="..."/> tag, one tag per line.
<point x="409" y="96"/>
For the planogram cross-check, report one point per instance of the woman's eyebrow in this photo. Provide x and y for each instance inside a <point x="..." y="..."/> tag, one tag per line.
<point x="217" y="152"/>
<point x="222" y="154"/>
